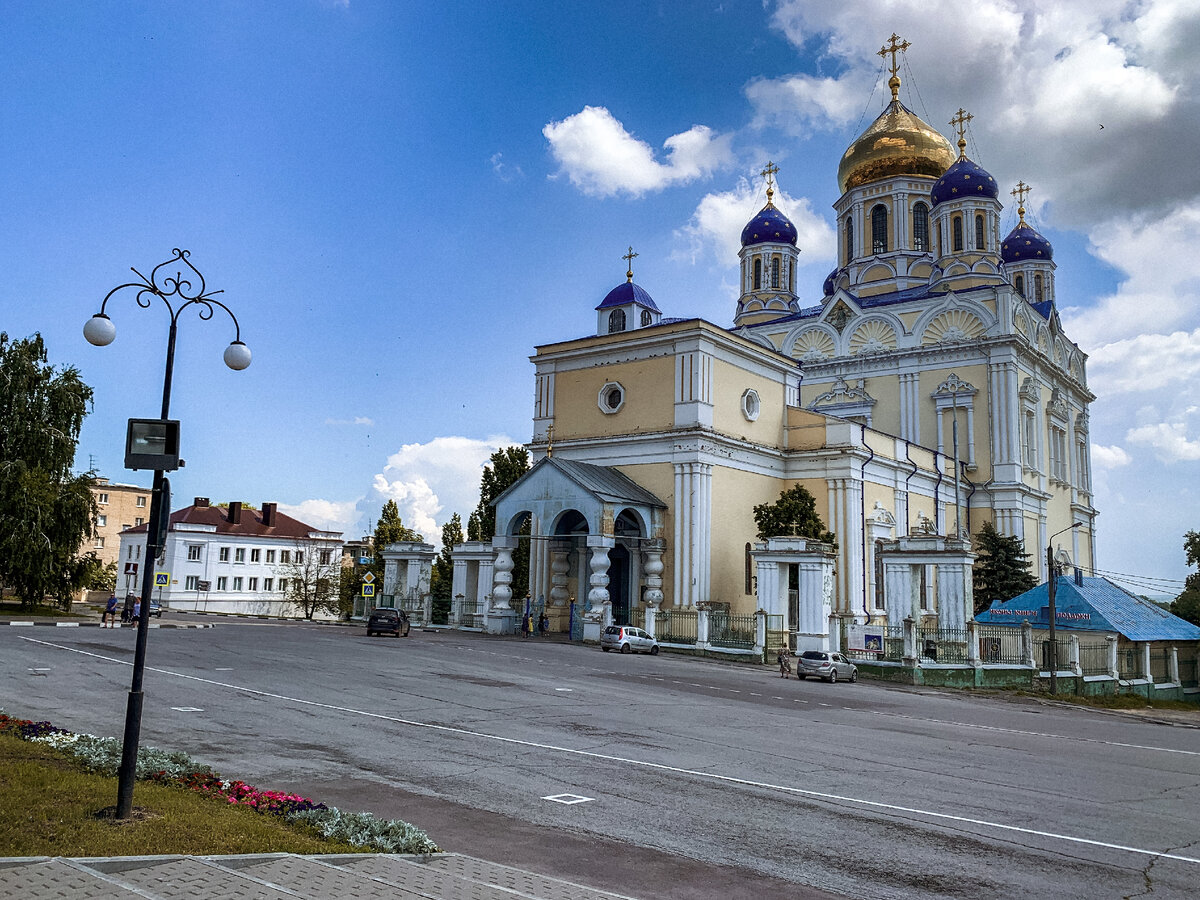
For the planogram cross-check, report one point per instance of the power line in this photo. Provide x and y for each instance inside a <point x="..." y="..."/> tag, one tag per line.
<point x="1146" y="579"/>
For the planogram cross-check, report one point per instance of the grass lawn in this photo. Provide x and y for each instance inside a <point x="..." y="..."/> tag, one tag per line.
<point x="11" y="609"/>
<point x="50" y="808"/>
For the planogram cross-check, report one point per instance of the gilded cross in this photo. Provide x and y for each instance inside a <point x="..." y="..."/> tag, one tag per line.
<point x="960" y="120"/>
<point x="629" y="258"/>
<point x="1021" y="192"/>
<point x="769" y="174"/>
<point x="550" y="439"/>
<point x="897" y="45"/>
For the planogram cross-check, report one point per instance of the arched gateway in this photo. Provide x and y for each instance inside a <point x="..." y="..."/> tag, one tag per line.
<point x="595" y="541"/>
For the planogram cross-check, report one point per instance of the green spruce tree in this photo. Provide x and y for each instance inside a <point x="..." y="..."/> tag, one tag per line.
<point x="507" y="467"/>
<point x="1002" y="567"/>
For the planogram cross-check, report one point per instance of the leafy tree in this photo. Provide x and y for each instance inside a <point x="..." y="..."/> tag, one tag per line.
<point x="1187" y="604"/>
<point x="507" y="467"/>
<point x="46" y="512"/>
<point x="794" y="514"/>
<point x="390" y="530"/>
<point x="99" y="577"/>
<point x="1002" y="568"/>
<point x="442" y="582"/>
<point x="313" y="572"/>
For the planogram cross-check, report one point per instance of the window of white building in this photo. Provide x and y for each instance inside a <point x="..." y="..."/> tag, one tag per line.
<point x="255" y="554"/>
<point x="222" y="583"/>
<point x="223" y="554"/>
<point x="239" y="555"/>
<point x="192" y="583"/>
<point x="194" y="551"/>
<point x="237" y="583"/>
<point x="252" y="584"/>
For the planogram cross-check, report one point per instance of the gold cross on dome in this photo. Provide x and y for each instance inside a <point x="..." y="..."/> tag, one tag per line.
<point x="1021" y="192"/>
<point x="629" y="258"/>
<point x="769" y="174"/>
<point x="898" y="45"/>
<point x="960" y="120"/>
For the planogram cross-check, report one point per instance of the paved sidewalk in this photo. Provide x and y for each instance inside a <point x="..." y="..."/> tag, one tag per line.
<point x="442" y="876"/>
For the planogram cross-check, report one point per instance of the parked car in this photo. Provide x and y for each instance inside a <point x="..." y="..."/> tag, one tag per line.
<point x="387" y="620"/>
<point x="627" y="639"/>
<point x="155" y="607"/>
<point x="830" y="666"/>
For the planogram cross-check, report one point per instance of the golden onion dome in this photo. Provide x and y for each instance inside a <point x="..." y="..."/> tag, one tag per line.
<point x="897" y="143"/>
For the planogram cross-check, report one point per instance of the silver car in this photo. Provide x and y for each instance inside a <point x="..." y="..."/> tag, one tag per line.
<point x="827" y="665"/>
<point x="627" y="639"/>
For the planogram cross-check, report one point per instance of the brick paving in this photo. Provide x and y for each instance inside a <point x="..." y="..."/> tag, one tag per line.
<point x="443" y="876"/>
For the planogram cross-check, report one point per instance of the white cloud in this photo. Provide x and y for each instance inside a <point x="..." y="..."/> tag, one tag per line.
<point x="357" y="420"/>
<point x="1169" y="440"/>
<point x="326" y="515"/>
<point x="1148" y="362"/>
<point x="432" y="481"/>
<point x="716" y="225"/>
<point x="505" y="171"/>
<point x="601" y="158"/>
<point x="1109" y="457"/>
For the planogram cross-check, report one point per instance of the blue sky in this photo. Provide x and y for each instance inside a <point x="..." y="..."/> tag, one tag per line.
<point x="400" y="200"/>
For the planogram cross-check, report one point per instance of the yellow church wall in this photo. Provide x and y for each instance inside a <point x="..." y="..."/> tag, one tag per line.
<point x="734" y="496"/>
<point x="977" y="376"/>
<point x="730" y="382"/>
<point x="805" y="429"/>
<point x="909" y="319"/>
<point x="649" y="399"/>
<point x="659" y="479"/>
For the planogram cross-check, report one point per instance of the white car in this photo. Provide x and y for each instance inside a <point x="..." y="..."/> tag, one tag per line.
<point x="627" y="639"/>
<point x="829" y="666"/>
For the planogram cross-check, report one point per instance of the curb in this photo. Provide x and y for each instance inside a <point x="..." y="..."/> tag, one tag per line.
<point x="28" y="624"/>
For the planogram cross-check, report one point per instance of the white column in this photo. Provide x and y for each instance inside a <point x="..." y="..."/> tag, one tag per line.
<point x="502" y="572"/>
<point x="683" y="531"/>
<point x="559" y="568"/>
<point x="598" y="596"/>
<point x="652" y="567"/>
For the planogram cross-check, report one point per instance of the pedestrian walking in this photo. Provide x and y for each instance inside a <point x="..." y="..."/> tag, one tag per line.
<point x="543" y="625"/>
<point x="127" y="610"/>
<point x="784" y="658"/>
<point x="526" y="625"/>
<point x="108" y="618"/>
<point x="137" y="609"/>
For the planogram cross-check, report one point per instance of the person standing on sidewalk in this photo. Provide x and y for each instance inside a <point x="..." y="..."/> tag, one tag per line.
<point x="108" y="618"/>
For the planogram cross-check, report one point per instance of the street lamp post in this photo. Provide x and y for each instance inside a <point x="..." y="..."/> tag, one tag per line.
<point x="184" y="284"/>
<point x="1053" y="615"/>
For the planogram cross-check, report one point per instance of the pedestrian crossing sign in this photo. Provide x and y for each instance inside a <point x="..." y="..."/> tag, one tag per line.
<point x="162" y="579"/>
<point x="368" y="590"/>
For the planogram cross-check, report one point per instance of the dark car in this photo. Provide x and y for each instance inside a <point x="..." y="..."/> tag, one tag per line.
<point x="155" y="607"/>
<point x="388" y="620"/>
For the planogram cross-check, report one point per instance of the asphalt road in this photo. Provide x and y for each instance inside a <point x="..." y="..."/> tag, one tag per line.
<point x="865" y="790"/>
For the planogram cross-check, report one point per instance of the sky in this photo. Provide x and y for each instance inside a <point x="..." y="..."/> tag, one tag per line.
<point x="401" y="200"/>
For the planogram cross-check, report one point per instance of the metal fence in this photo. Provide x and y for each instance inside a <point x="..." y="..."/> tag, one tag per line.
<point x="1188" y="670"/>
<point x="676" y="626"/>
<point x="735" y="632"/>
<point x="1129" y="663"/>
<point x="1062" y="655"/>
<point x="1160" y="666"/>
<point x="891" y="651"/>
<point x="414" y="605"/>
<point x="999" y="645"/>
<point x="776" y="636"/>
<point x="1093" y="659"/>
<point x="942" y="645"/>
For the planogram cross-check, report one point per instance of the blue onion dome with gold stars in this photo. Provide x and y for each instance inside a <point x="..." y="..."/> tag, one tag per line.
<point x="769" y="226"/>
<point x="964" y="179"/>
<point x="830" y="282"/>
<point x="1024" y="243"/>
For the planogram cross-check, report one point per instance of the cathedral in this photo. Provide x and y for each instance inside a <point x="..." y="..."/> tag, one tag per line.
<point x="924" y="389"/>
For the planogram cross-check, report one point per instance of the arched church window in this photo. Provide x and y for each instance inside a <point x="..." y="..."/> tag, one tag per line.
<point x="956" y="225"/>
<point x="920" y="227"/>
<point x="757" y="273"/>
<point x="879" y="229"/>
<point x="1037" y="287"/>
<point x="616" y="321"/>
<point x="749" y="571"/>
<point x="979" y="232"/>
<point x="775" y="272"/>
<point x="1019" y="284"/>
<point x="645" y="317"/>
<point x="849" y="238"/>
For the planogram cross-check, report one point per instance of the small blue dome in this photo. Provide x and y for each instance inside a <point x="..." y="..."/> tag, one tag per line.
<point x="770" y="226"/>
<point x="829" y="282"/>
<point x="628" y="292"/>
<point x="1023" y="244"/>
<point x="964" y="179"/>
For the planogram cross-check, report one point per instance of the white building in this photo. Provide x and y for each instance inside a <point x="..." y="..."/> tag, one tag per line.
<point x="231" y="559"/>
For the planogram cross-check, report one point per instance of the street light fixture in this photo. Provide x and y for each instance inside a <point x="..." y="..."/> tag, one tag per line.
<point x="1053" y="615"/>
<point x="186" y="287"/>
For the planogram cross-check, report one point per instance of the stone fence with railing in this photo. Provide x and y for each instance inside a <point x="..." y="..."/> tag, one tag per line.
<point x="1017" y="656"/>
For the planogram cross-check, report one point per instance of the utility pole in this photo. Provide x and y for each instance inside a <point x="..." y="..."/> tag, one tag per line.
<point x="1050" y="587"/>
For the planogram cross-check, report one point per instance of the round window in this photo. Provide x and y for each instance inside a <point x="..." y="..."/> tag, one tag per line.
<point x="611" y="398"/>
<point x="751" y="406"/>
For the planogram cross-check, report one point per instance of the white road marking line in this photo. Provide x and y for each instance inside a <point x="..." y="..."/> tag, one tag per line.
<point x="1045" y="734"/>
<point x="646" y="764"/>
<point x="565" y="691"/>
<point x="569" y="799"/>
<point x="187" y="709"/>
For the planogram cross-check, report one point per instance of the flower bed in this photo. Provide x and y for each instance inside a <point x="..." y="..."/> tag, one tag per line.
<point x="102" y="755"/>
